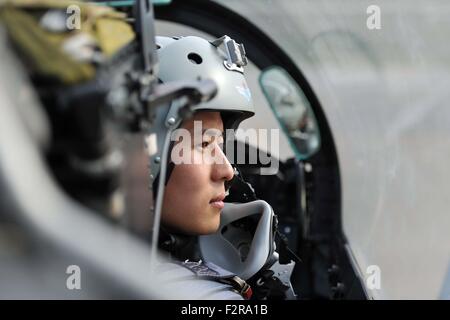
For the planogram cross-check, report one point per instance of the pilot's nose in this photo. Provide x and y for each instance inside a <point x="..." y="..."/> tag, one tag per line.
<point x="222" y="171"/>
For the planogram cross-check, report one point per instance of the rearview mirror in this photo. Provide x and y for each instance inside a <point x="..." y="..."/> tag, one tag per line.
<point x="292" y="109"/>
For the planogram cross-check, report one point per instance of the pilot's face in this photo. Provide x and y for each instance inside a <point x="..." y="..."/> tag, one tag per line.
<point x="193" y="197"/>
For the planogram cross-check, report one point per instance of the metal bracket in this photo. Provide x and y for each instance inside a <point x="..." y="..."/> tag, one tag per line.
<point x="236" y="56"/>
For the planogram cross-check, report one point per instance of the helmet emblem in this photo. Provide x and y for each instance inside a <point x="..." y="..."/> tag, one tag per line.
<point x="245" y="91"/>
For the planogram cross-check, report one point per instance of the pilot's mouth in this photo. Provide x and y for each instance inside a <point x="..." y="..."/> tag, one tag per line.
<point x="217" y="202"/>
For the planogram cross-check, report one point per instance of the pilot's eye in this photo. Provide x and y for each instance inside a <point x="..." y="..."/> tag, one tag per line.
<point x="205" y="144"/>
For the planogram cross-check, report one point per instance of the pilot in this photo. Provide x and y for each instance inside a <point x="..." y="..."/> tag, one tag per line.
<point x="195" y="184"/>
<point x="196" y="172"/>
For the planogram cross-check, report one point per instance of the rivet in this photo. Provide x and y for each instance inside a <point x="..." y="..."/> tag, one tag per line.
<point x="171" y="121"/>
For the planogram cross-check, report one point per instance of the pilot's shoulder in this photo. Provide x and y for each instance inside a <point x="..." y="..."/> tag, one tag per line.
<point x="197" y="280"/>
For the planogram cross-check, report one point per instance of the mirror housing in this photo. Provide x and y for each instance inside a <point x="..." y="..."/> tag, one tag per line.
<point x="292" y="110"/>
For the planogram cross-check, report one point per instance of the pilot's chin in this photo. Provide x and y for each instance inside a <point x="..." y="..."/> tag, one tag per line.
<point x="211" y="229"/>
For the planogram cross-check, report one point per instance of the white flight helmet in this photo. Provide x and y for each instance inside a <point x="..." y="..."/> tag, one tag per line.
<point x="194" y="58"/>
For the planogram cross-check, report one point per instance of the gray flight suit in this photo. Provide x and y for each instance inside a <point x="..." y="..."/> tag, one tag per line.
<point x="197" y="281"/>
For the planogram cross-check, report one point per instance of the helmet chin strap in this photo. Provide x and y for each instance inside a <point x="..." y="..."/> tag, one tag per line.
<point x="187" y="95"/>
<point x="169" y="168"/>
<point x="160" y="197"/>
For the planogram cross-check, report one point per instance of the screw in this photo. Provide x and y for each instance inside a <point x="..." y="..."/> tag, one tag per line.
<point x="171" y="121"/>
<point x="308" y="167"/>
